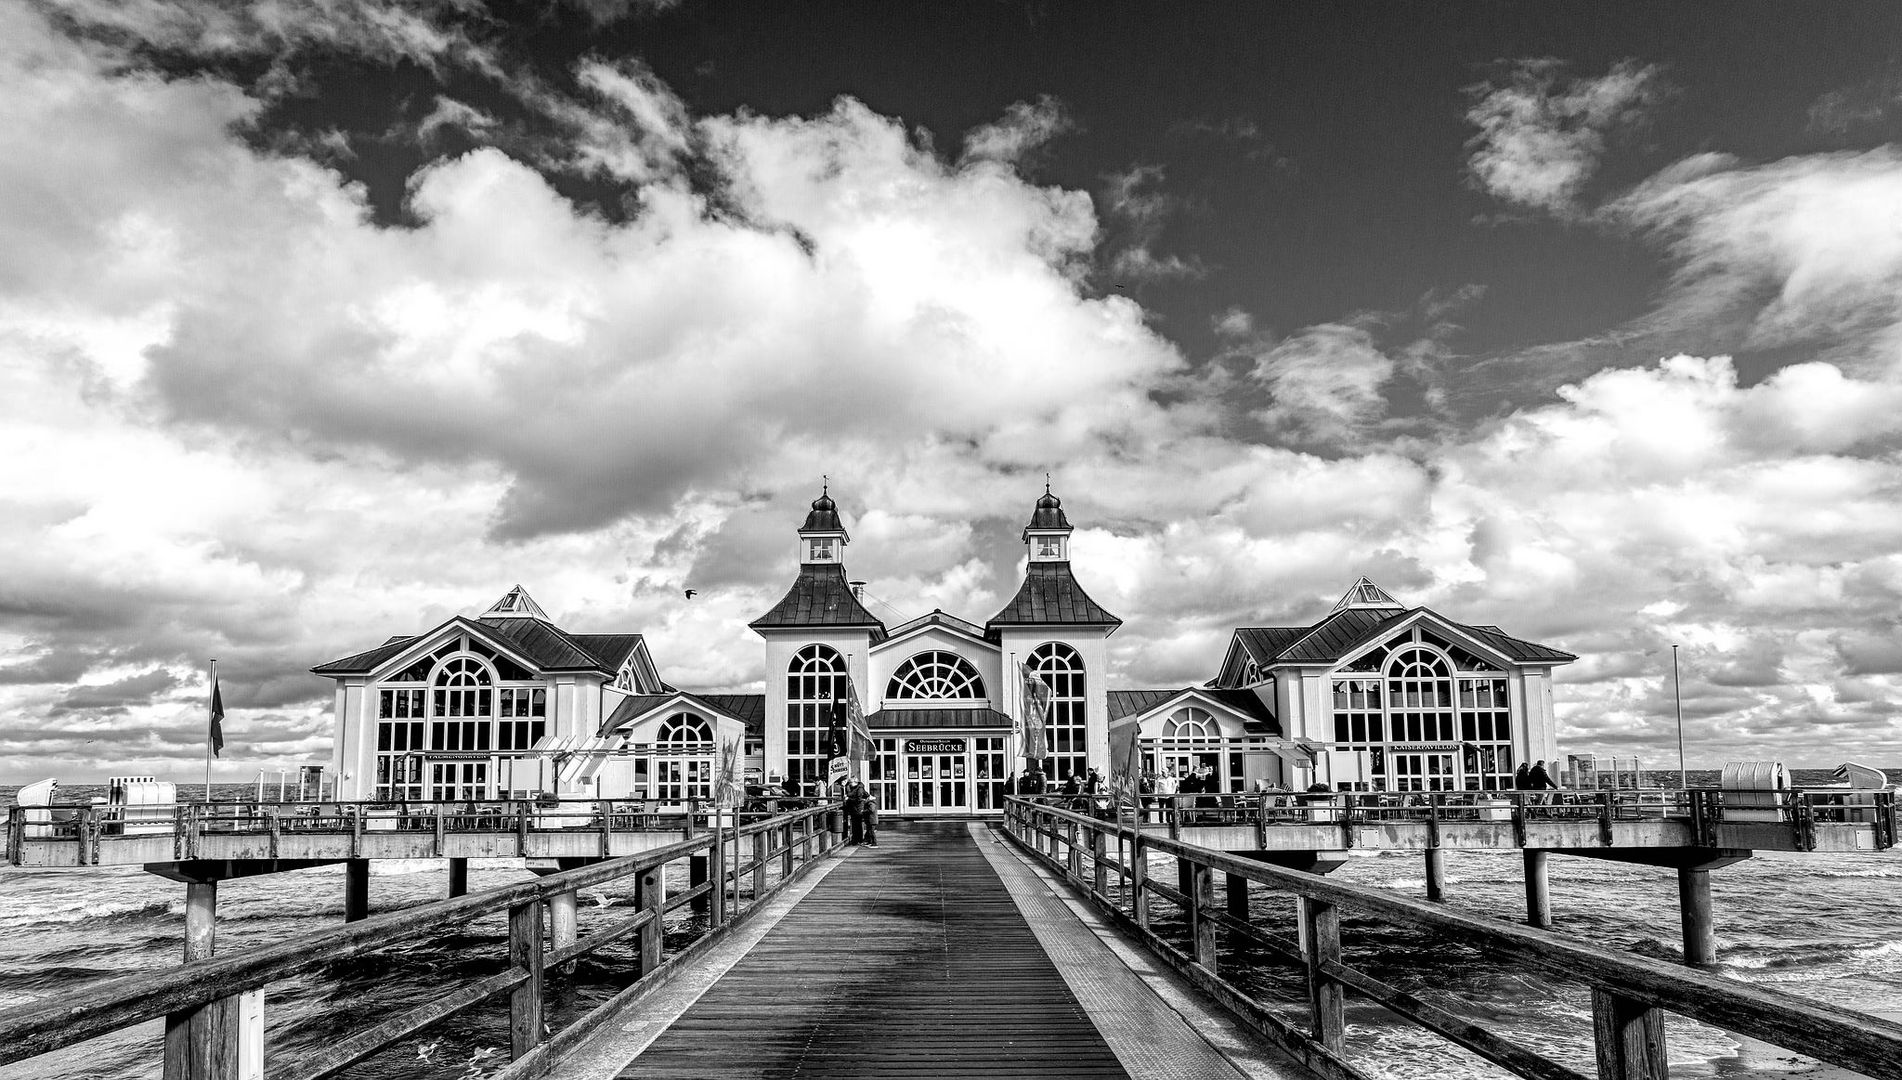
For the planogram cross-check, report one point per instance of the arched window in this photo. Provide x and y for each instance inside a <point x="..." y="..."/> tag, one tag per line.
<point x="463" y="715"/>
<point x="684" y="729"/>
<point x="1059" y="666"/>
<point x="936" y="676"/>
<point x="814" y="681"/>
<point x="1190" y="723"/>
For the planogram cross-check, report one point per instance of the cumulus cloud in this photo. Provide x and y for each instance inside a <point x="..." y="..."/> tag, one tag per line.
<point x="241" y="418"/>
<point x="1543" y="131"/>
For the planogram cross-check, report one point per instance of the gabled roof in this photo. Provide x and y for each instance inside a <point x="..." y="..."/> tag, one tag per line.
<point x="1264" y="643"/>
<point x="1130" y="702"/>
<point x="887" y="719"/>
<point x="1364" y="593"/>
<point x="1051" y="596"/>
<point x="937" y="617"/>
<point x="820" y="596"/>
<point x="1517" y="649"/>
<point x="367" y="661"/>
<point x="748" y="709"/>
<point x="1338" y="634"/>
<point x="550" y="647"/>
<point x="1258" y="718"/>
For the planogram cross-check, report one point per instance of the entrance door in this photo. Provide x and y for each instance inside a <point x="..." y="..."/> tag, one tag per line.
<point x="1421" y="772"/>
<point x="458" y="781"/>
<point x="936" y="782"/>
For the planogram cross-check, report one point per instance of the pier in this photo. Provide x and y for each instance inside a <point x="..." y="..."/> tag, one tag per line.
<point x="1051" y="943"/>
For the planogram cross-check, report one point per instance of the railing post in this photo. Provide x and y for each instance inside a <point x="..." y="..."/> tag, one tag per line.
<point x="1605" y="818"/>
<point x="564" y="923"/>
<point x="1073" y="855"/>
<point x="1629" y="1036"/>
<point x="786" y="850"/>
<point x="651" y="896"/>
<point x="760" y="847"/>
<point x="525" y="1001"/>
<point x="1321" y="944"/>
<point x="1138" y="880"/>
<point x="203" y="1043"/>
<point x="16" y="835"/>
<point x="1099" y="872"/>
<point x="442" y="828"/>
<point x="720" y="870"/>
<point x="276" y="828"/>
<point x="1201" y="927"/>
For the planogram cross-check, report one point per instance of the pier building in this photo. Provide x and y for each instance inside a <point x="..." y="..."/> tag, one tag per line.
<point x="1375" y="696"/>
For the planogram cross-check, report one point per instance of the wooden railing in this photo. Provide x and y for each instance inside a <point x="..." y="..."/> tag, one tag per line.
<point x="1630" y="994"/>
<point x="1799" y="810"/>
<point x="200" y="1001"/>
<point x="87" y="826"/>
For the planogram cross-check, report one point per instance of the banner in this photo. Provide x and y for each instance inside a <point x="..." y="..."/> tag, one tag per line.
<point x="1126" y="761"/>
<point x="1036" y="712"/>
<point x="847" y="735"/>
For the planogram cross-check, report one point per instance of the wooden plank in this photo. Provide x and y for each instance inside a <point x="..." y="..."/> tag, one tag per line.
<point x="912" y="960"/>
<point x="1630" y="1038"/>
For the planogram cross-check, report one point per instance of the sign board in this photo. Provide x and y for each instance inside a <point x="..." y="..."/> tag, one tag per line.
<point x="1437" y="747"/>
<point x="935" y="746"/>
<point x="838" y="770"/>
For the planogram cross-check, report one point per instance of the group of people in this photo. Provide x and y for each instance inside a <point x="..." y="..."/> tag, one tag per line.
<point x="861" y="814"/>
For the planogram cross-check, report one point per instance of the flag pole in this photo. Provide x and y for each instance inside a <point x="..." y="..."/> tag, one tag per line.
<point x="209" y="706"/>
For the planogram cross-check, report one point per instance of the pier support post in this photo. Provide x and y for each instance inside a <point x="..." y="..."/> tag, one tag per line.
<point x="1436" y="873"/>
<point x="564" y="923"/>
<point x="201" y="919"/>
<point x="697" y="866"/>
<point x="356" y="890"/>
<point x="1538" y="890"/>
<point x="458" y="877"/>
<point x="1693" y="899"/>
<point x="1236" y="888"/>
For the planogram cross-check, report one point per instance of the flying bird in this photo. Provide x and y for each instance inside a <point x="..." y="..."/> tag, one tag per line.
<point x="690" y="593"/>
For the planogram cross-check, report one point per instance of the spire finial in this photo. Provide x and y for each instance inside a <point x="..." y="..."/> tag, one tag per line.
<point x="1046" y="483"/>
<point x="825" y="484"/>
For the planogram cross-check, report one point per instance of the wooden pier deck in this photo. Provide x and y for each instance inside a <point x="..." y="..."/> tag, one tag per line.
<point x="910" y="959"/>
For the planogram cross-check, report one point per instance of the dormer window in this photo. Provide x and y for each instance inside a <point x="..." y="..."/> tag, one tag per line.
<point x="822" y="549"/>
<point x="1047" y="546"/>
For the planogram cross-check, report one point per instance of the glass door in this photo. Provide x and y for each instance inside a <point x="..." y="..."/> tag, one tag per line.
<point x="921" y="788"/>
<point x="1421" y="772"/>
<point x="458" y="781"/>
<point x="952" y="785"/>
<point x="990" y="774"/>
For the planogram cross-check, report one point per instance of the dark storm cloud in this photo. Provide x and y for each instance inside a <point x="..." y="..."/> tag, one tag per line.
<point x="115" y="696"/>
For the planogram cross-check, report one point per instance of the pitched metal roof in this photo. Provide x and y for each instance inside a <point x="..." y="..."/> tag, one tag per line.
<point x="550" y="647"/>
<point x="1050" y="595"/>
<point x="1259" y="719"/>
<point x="611" y="649"/>
<point x="1347" y="629"/>
<point x="1516" y="648"/>
<point x="1264" y="643"/>
<point x="748" y="709"/>
<point x="366" y="661"/>
<point x="1130" y="702"/>
<point x="890" y="719"/>
<point x="1338" y="633"/>
<point x="820" y="596"/>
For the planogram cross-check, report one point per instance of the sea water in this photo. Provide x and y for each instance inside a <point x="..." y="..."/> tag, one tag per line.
<point x="1827" y="927"/>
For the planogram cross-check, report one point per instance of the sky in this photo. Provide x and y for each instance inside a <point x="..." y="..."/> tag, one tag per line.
<point x="326" y="320"/>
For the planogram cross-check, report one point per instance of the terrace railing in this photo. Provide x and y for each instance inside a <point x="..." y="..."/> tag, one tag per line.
<point x="201" y="1001"/>
<point x="1630" y="994"/>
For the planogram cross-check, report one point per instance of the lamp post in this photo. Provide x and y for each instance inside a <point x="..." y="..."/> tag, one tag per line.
<point x="1677" y="696"/>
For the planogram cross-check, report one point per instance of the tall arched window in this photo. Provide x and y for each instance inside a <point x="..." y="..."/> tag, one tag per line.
<point x="1059" y="666"/>
<point x="464" y="706"/>
<point x="814" y="680"/>
<point x="1420" y="696"/>
<point x="936" y="676"/>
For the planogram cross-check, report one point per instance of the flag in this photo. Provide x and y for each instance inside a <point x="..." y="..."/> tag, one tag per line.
<point x="217" y="716"/>
<point x="859" y="735"/>
<point x="727" y="781"/>
<point x="1126" y="761"/>
<point x="1036" y="711"/>
<point x="835" y="730"/>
